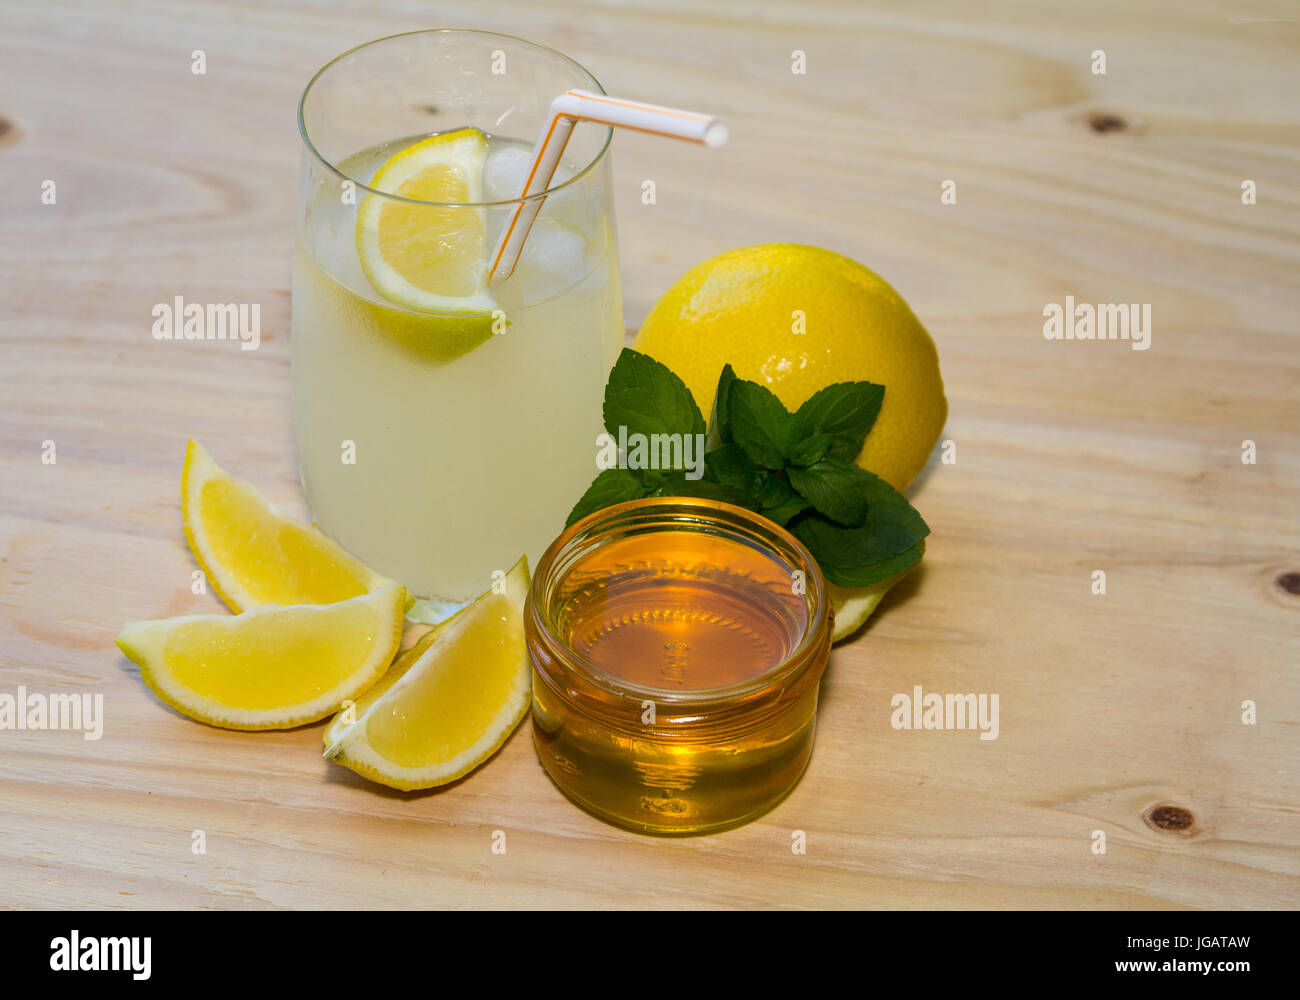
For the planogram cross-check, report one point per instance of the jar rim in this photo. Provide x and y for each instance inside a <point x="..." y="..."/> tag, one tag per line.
<point x="688" y="510"/>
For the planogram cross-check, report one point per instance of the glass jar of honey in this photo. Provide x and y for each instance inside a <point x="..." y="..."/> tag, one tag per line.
<point x="677" y="646"/>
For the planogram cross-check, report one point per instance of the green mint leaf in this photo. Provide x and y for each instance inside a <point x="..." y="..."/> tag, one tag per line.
<point x="858" y="557"/>
<point x="732" y="467"/>
<point x="811" y="450"/>
<point x="836" y="488"/>
<point x="760" y="424"/>
<point x="846" y="411"/>
<point x="610" y="487"/>
<point x="650" y="479"/>
<point x="783" y="512"/>
<point x="719" y="426"/>
<point x="887" y="506"/>
<point x="647" y="398"/>
<point x="677" y="485"/>
<point x="774" y="490"/>
<point x="890" y="540"/>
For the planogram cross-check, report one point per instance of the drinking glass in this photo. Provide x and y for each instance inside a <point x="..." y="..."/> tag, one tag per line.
<point x="439" y="444"/>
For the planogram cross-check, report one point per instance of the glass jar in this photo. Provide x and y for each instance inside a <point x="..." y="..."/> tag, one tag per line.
<point x="423" y="399"/>
<point x="677" y="646"/>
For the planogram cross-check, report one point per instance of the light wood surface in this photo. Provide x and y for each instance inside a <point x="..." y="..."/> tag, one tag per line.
<point x="1071" y="456"/>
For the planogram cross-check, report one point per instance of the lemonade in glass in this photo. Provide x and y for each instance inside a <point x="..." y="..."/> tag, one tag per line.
<point x="445" y="424"/>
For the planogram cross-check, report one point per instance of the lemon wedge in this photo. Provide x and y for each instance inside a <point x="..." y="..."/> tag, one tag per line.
<point x="448" y="703"/>
<point x="430" y="257"/>
<point x="251" y="555"/>
<point x="272" y="667"/>
<point x="854" y="605"/>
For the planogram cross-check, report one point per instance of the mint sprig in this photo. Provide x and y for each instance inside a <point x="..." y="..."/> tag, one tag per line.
<point x="797" y="469"/>
<point x="835" y="488"/>
<point x="647" y="398"/>
<point x="760" y="424"/>
<point x="845" y="412"/>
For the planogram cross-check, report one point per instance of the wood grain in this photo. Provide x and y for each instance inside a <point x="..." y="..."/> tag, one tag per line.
<point x="1071" y="456"/>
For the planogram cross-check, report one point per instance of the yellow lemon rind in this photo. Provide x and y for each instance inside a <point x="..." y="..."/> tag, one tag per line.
<point x="345" y="743"/>
<point x="440" y="339"/>
<point x="735" y="308"/>
<point x="143" y="643"/>
<point x="467" y="147"/>
<point x="199" y="469"/>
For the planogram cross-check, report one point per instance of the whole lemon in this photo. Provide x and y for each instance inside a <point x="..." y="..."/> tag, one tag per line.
<point x="796" y="319"/>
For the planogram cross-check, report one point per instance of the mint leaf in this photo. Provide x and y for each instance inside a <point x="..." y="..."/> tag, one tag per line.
<point x="731" y="466"/>
<point x="846" y="410"/>
<point x="889" y="541"/>
<point x="858" y="557"/>
<point x="677" y="485"/>
<point x="774" y="491"/>
<point x="610" y="487"/>
<point x="647" y="398"/>
<point x="719" y="425"/>
<point x="836" y="488"/>
<point x="887" y="506"/>
<point x="760" y="424"/>
<point x="811" y="450"/>
<point x="650" y="479"/>
<point x="783" y="512"/>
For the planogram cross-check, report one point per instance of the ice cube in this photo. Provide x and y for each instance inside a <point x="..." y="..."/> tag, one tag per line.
<point x="506" y="168"/>
<point x="555" y="250"/>
<point x="504" y="172"/>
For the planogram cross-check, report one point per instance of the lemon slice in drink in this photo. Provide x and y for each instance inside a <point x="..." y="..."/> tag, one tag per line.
<point x="251" y="555"/>
<point x="272" y="667"/>
<point x="448" y="703"/>
<point x="430" y="258"/>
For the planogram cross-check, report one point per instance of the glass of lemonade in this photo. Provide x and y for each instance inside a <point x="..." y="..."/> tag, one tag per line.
<point x="445" y="425"/>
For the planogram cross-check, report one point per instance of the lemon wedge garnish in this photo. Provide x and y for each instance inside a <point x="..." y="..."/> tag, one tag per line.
<point x="251" y="555"/>
<point x="272" y="667"/>
<point x="447" y="704"/>
<point x="431" y="258"/>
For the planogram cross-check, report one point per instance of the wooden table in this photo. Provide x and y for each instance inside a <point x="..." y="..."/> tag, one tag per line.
<point x="1071" y="456"/>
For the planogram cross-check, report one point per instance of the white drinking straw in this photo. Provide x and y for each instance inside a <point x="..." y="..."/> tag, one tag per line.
<point x="567" y="110"/>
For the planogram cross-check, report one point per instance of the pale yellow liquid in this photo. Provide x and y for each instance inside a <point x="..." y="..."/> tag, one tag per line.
<point x="460" y="466"/>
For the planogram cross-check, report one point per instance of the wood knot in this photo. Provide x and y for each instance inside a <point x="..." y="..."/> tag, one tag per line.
<point x="1169" y="818"/>
<point x="1106" y="121"/>
<point x="1290" y="582"/>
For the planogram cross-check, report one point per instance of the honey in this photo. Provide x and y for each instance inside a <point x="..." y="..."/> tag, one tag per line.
<point x="678" y="647"/>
